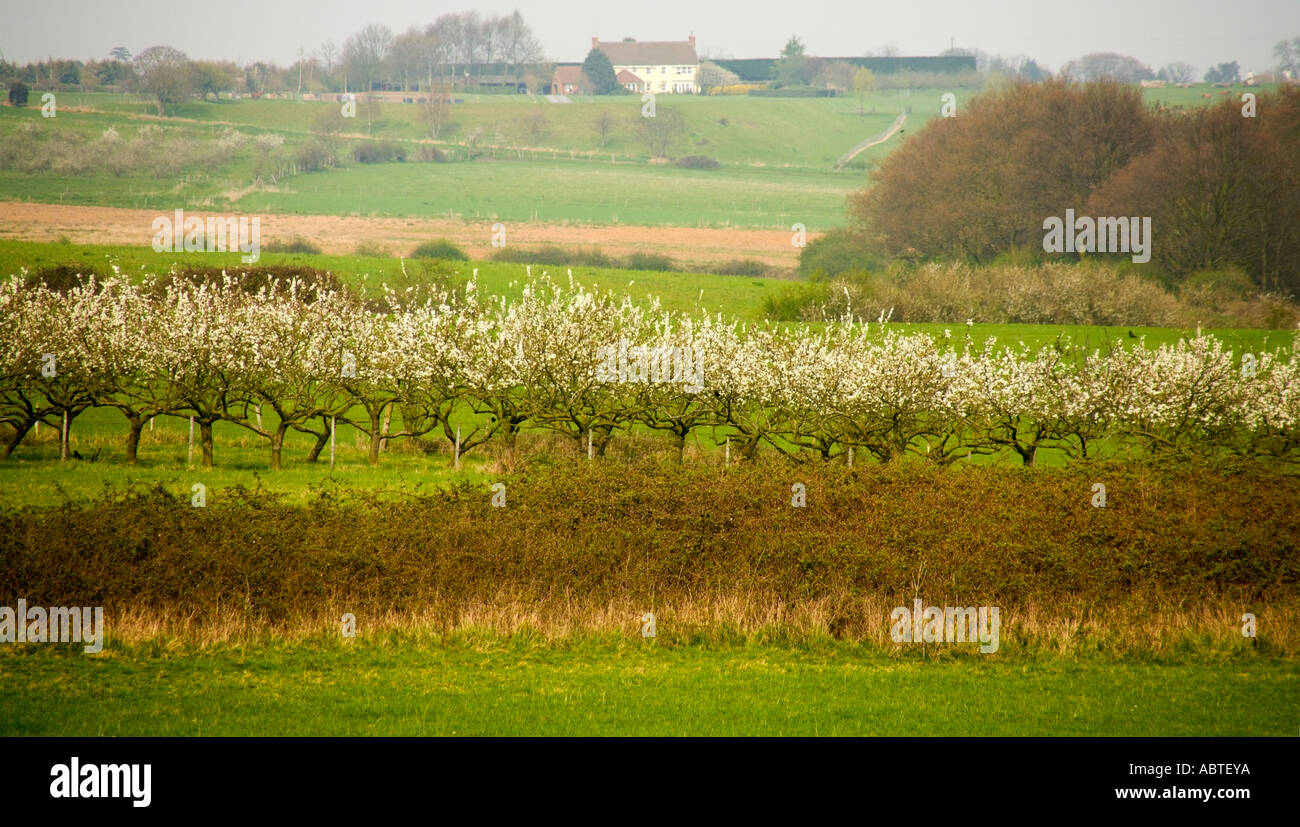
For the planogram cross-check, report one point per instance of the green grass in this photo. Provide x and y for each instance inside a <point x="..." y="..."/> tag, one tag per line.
<point x="570" y="191"/>
<point x="618" y="686"/>
<point x="806" y="133"/>
<point x="777" y="158"/>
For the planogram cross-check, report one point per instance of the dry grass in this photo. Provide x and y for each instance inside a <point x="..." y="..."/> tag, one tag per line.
<point x="1077" y="628"/>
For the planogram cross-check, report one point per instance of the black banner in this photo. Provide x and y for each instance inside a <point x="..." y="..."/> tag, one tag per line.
<point x="143" y="777"/>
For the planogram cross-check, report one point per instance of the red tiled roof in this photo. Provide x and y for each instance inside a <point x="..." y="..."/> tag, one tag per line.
<point x="649" y="53"/>
<point x="568" y="74"/>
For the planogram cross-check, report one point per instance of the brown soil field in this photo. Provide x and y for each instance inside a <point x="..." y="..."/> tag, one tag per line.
<point x="340" y="235"/>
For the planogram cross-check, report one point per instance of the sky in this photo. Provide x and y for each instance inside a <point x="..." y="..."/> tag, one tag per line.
<point x="1200" y="32"/>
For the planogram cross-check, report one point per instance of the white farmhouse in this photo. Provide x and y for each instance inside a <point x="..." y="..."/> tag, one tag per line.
<point x="662" y="67"/>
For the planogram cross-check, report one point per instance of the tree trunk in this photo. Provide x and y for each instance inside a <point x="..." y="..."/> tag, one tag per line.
<point x="322" y="439"/>
<point x="375" y="438"/>
<point x="19" y="433"/>
<point x="133" y="439"/>
<point x="205" y="438"/>
<point x="277" y="445"/>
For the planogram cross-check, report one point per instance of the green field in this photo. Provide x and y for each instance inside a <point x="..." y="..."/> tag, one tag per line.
<point x="740" y="130"/>
<point x="406" y="685"/>
<point x="777" y="155"/>
<point x="777" y="161"/>
<point x="570" y="191"/>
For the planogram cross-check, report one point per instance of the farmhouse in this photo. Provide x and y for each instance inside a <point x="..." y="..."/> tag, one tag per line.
<point x="660" y="66"/>
<point x="568" y="80"/>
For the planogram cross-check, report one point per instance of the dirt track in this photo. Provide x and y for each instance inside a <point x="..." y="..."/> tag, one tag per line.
<point x="341" y="234"/>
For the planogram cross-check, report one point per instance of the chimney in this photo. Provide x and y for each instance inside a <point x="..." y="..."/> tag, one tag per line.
<point x="595" y="42"/>
<point x="692" y="39"/>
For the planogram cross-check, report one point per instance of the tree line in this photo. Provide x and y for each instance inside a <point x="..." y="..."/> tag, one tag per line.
<point x="456" y="46"/>
<point x="273" y="356"/>
<point x="1221" y="183"/>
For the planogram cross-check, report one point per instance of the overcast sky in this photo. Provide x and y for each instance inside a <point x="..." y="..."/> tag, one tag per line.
<point x="1200" y="32"/>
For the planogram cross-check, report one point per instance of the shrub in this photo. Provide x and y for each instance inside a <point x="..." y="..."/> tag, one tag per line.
<point x="649" y="261"/>
<point x="1231" y="282"/>
<point x="251" y="278"/>
<point x="440" y="249"/>
<point x="297" y="245"/>
<point x="1053" y="293"/>
<point x="793" y="92"/>
<point x="736" y="89"/>
<point x="742" y="267"/>
<point x="369" y="249"/>
<point x="448" y="556"/>
<point x="18" y="94"/>
<point x="428" y="153"/>
<point x="268" y="141"/>
<point x="791" y="304"/>
<point x="60" y="277"/>
<point x="553" y="256"/>
<point x="313" y="156"/>
<point x="378" y="152"/>
<point x="697" y="162"/>
<point x="838" y="251"/>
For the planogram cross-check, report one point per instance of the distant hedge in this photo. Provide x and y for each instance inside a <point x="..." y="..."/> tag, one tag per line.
<point x="793" y="92"/>
<point x="756" y="70"/>
<point x="378" y="152"/>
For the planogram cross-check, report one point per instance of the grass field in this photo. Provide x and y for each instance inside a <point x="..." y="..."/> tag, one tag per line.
<point x="564" y="190"/>
<point x="796" y="132"/>
<point x="777" y="156"/>
<point x="474" y="685"/>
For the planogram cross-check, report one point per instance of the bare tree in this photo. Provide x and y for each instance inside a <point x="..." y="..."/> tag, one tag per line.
<point x="603" y="125"/>
<point x="165" y="74"/>
<point x="434" y="109"/>
<point x="406" y="57"/>
<point x="1287" y="54"/>
<point x="471" y="38"/>
<point x="1108" y="66"/>
<point x="365" y="54"/>
<point x="660" y="132"/>
<point x="536" y="126"/>
<point x="1178" y="72"/>
<point x="440" y="46"/>
<point x="519" y="46"/>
